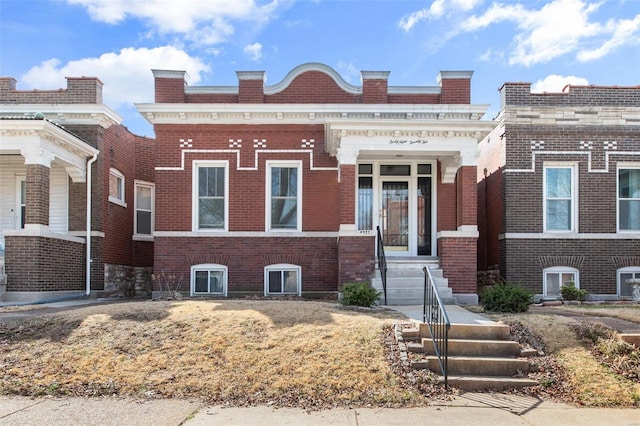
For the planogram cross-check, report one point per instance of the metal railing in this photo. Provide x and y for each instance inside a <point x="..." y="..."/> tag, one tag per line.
<point x="435" y="316"/>
<point x="382" y="264"/>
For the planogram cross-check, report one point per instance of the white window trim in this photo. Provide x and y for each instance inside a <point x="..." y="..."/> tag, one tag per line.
<point x="625" y="270"/>
<point x="286" y="164"/>
<point x="282" y="267"/>
<point x="559" y="270"/>
<point x="623" y="166"/>
<point x="195" y="226"/>
<point x="574" y="195"/>
<point x="115" y="200"/>
<point x="141" y="183"/>
<point x="209" y="267"/>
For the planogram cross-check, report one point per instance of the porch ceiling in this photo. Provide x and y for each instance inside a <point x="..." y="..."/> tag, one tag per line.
<point x="40" y="141"/>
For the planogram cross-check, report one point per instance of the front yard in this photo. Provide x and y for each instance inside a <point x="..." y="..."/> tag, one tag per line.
<point x="270" y="352"/>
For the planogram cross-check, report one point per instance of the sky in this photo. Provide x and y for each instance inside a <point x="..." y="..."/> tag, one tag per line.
<point x="549" y="43"/>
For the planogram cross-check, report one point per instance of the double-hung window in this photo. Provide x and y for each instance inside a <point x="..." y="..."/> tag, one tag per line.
<point x="629" y="199"/>
<point x="560" y="198"/>
<point x="144" y="202"/>
<point x="116" y="187"/>
<point x="284" y="193"/>
<point x="625" y="280"/>
<point x="210" y="201"/>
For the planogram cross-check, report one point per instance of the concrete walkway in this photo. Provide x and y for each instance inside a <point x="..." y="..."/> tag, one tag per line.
<point x="456" y="314"/>
<point x="465" y="409"/>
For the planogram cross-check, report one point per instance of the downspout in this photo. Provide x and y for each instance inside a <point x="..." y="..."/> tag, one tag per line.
<point x="88" y="242"/>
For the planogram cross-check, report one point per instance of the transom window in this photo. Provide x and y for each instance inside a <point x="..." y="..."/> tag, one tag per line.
<point x="210" y="207"/>
<point x="625" y="289"/>
<point x="282" y="279"/>
<point x="284" y="183"/>
<point x="556" y="277"/>
<point x="116" y="187"/>
<point x="209" y="279"/>
<point x="144" y="202"/>
<point x="559" y="198"/>
<point x="629" y="199"/>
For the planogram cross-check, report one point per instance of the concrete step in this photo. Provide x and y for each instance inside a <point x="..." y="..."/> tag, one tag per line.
<point x="472" y="331"/>
<point x="468" y="347"/>
<point x="477" y="366"/>
<point x="471" y="383"/>
<point x="631" y="338"/>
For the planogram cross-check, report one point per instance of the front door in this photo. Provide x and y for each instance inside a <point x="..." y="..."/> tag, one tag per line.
<point x="394" y="215"/>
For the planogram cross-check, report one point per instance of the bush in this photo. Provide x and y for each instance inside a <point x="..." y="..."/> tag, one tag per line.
<point x="505" y="297"/>
<point x="570" y="292"/>
<point x="359" y="294"/>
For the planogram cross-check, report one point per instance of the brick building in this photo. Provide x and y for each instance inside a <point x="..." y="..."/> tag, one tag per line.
<point x="56" y="148"/>
<point x="276" y="190"/>
<point x="559" y="190"/>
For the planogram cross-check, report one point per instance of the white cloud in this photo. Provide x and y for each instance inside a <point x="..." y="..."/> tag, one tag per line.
<point x="437" y="9"/>
<point x="553" y="29"/>
<point x="623" y="31"/>
<point x="556" y="83"/>
<point x="126" y="75"/>
<point x="203" y="21"/>
<point x="254" y="51"/>
<point x="348" y="72"/>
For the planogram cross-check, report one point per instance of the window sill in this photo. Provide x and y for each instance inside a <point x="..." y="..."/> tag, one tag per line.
<point x="142" y="237"/>
<point x="117" y="201"/>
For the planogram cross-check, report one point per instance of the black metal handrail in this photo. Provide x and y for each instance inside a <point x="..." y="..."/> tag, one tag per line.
<point x="435" y="316"/>
<point x="382" y="264"/>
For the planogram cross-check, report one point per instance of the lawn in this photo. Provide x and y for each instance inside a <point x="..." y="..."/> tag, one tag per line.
<point x="285" y="353"/>
<point x="270" y="352"/>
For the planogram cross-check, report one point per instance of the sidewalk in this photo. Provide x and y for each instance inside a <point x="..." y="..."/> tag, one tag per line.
<point x="466" y="409"/>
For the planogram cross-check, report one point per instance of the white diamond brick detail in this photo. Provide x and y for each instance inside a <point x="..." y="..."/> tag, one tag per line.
<point x="537" y="145"/>
<point x="610" y="145"/>
<point x="235" y="143"/>
<point x="259" y="144"/>
<point x="307" y="143"/>
<point x="586" y="144"/>
<point x="186" y="143"/>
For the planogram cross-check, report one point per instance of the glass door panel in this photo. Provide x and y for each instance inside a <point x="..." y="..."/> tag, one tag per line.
<point x="395" y="215"/>
<point x="424" y="216"/>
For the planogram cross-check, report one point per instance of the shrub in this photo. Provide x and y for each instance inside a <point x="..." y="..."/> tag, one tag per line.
<point x="505" y="297"/>
<point x="359" y="294"/>
<point x="568" y="291"/>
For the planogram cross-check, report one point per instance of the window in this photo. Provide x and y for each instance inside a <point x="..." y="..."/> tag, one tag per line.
<point x="629" y="199"/>
<point x="116" y="187"/>
<point x="209" y="279"/>
<point x="210" y="208"/>
<point x="284" y="188"/>
<point x="365" y="197"/>
<point x="559" y="199"/>
<point x="282" y="279"/>
<point x="144" y="202"/>
<point x="556" y="277"/>
<point x="625" y="289"/>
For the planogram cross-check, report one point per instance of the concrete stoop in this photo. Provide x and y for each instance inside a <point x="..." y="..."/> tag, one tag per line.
<point x="631" y="338"/>
<point x="405" y="282"/>
<point x="481" y="356"/>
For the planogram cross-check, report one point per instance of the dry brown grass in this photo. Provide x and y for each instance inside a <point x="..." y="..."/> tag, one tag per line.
<point x="232" y="351"/>
<point x="626" y="312"/>
<point x="593" y="384"/>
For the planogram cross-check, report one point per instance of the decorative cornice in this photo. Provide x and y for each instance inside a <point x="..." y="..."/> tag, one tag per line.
<point x="571" y="116"/>
<point x="61" y="114"/>
<point x="303" y="113"/>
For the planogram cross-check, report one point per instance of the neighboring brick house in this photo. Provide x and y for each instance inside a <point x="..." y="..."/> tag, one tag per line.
<point x="559" y="190"/>
<point x="276" y="190"/>
<point x="49" y="141"/>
